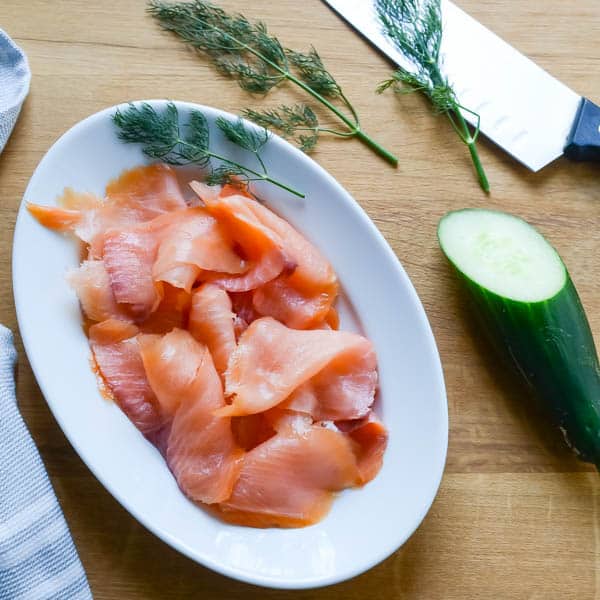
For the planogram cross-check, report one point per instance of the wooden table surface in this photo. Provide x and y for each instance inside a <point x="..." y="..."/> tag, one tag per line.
<point x="517" y="516"/>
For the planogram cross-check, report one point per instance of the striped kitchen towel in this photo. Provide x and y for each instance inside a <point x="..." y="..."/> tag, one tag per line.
<point x="38" y="560"/>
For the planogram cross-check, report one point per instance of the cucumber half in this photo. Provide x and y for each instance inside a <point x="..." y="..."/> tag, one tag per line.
<point x="528" y="305"/>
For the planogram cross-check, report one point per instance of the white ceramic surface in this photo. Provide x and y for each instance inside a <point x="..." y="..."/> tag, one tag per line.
<point x="365" y="525"/>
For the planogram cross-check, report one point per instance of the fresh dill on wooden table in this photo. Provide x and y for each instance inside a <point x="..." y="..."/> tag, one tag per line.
<point x="415" y="29"/>
<point x="162" y="138"/>
<point x="259" y="62"/>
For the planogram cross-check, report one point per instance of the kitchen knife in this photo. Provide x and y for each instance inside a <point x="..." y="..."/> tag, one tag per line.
<point x="526" y="111"/>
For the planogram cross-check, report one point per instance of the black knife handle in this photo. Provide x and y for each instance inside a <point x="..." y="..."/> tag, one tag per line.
<point x="583" y="142"/>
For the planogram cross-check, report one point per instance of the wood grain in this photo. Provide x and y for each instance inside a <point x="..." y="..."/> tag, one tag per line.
<point x="517" y="516"/>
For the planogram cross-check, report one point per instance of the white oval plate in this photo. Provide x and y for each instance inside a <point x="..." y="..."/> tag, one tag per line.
<point x="365" y="525"/>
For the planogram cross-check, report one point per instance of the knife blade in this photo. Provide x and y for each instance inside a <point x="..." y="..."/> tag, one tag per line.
<point x="523" y="109"/>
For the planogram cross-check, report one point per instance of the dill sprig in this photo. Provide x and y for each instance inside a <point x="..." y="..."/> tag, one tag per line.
<point x="162" y="138"/>
<point x="288" y="121"/>
<point x="258" y="61"/>
<point x="415" y="28"/>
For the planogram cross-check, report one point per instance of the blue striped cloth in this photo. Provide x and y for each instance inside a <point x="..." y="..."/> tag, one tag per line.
<point x="38" y="560"/>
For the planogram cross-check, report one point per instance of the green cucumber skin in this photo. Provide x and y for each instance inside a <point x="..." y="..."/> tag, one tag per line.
<point x="551" y="345"/>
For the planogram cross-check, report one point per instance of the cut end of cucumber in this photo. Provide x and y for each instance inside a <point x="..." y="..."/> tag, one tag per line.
<point x="502" y="253"/>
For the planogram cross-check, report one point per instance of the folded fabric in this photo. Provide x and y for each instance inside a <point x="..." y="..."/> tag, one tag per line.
<point x="14" y="85"/>
<point x="38" y="560"/>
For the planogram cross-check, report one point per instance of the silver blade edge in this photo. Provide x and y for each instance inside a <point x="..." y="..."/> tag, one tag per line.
<point x="522" y="108"/>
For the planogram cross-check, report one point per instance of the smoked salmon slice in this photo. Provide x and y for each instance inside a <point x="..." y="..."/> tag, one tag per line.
<point x="201" y="450"/>
<point x="80" y="201"/>
<point x="284" y="301"/>
<point x="174" y="248"/>
<point x="137" y="196"/>
<point x="70" y="212"/>
<point x="117" y="356"/>
<point x="302" y="297"/>
<point x="257" y="242"/>
<point x="264" y="269"/>
<point x="112" y="331"/>
<point x="92" y="286"/>
<point x="272" y="361"/>
<point x="312" y="270"/>
<point x="195" y="242"/>
<point x="212" y="323"/>
<point x="302" y="293"/>
<point x="171" y="363"/>
<point x="289" y="480"/>
<point x="54" y="217"/>
<point x="129" y="259"/>
<point x="148" y="191"/>
<point x="344" y="389"/>
<point x="371" y="438"/>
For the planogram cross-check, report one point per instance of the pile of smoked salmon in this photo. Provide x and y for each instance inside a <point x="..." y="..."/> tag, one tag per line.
<point x="212" y="325"/>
